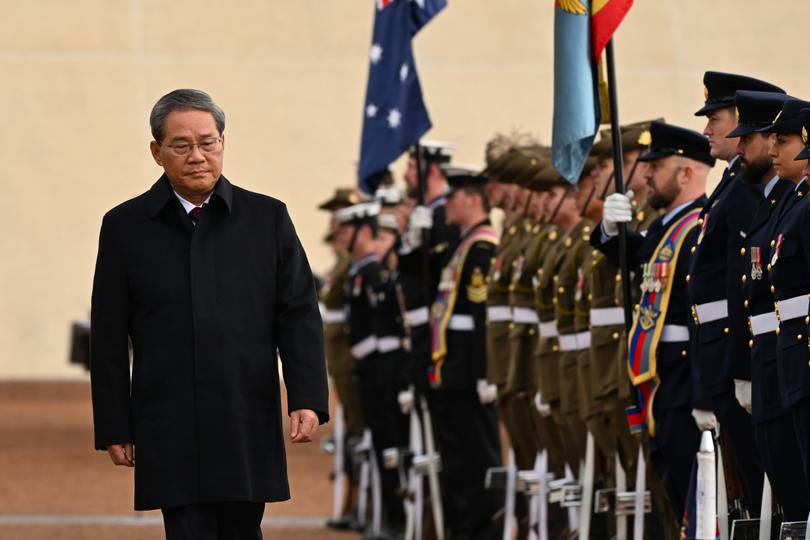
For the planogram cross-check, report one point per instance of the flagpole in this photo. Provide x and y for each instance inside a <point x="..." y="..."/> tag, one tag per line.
<point x="618" y="178"/>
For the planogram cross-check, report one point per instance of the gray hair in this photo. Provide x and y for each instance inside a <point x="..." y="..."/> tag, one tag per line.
<point x="183" y="100"/>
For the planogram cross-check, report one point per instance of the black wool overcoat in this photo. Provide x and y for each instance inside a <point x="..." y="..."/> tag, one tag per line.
<point x="209" y="310"/>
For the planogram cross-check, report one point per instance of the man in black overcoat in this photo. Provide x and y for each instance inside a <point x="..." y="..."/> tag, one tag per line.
<point x="210" y="283"/>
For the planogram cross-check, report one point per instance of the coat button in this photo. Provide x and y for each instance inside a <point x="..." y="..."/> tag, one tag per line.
<point x="532" y="330"/>
<point x="773" y="243"/>
<point x="555" y="348"/>
<point x="742" y="251"/>
<point x="615" y="335"/>
<point x="750" y="343"/>
<point x="725" y="330"/>
<point x="684" y="353"/>
<point x="744" y="278"/>
<point x="799" y="337"/>
<point x="561" y="290"/>
<point x="745" y="304"/>
<point x="692" y="249"/>
<point x="768" y="267"/>
<point x="511" y="326"/>
<point x="688" y="278"/>
<point x="807" y="320"/>
<point x="773" y="289"/>
<point x="778" y="331"/>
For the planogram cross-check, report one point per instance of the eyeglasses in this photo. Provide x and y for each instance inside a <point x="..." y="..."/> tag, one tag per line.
<point x="184" y="148"/>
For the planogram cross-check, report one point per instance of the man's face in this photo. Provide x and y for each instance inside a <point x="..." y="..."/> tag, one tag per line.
<point x="720" y="123"/>
<point x="568" y="206"/>
<point x="521" y="195"/>
<point x="585" y="193"/>
<point x="602" y="174"/>
<point x="457" y="204"/>
<point x="754" y="159"/>
<point x="384" y="241"/>
<point x="195" y="173"/>
<point x="412" y="176"/>
<point x="784" y="149"/>
<point x="496" y="192"/>
<point x="537" y="206"/>
<point x="662" y="179"/>
<point x="630" y="160"/>
<point x="343" y="235"/>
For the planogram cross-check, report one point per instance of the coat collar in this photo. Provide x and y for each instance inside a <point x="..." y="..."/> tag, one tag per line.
<point x="161" y="194"/>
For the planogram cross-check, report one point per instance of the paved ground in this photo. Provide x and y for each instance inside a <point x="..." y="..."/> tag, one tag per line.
<point x="54" y="486"/>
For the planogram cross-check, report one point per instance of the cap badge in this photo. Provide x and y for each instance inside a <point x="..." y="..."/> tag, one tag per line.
<point x="705" y="91"/>
<point x="645" y="139"/>
<point x="804" y="135"/>
<point x="737" y="113"/>
<point x="777" y="117"/>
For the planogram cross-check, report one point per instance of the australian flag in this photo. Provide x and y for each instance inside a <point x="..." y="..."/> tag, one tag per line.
<point x="394" y="114"/>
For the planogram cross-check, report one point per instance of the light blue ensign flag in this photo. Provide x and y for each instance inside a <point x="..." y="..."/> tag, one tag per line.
<point x="576" y="99"/>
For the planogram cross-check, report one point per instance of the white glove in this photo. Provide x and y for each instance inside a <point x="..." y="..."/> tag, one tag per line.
<point x="704" y="419"/>
<point x="742" y="391"/>
<point x="405" y="399"/>
<point x="421" y="218"/>
<point x="486" y="392"/>
<point x="543" y="408"/>
<point x="617" y="209"/>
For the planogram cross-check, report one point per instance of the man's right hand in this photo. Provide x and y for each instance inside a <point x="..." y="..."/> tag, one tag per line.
<point x="618" y="209"/>
<point x="122" y="454"/>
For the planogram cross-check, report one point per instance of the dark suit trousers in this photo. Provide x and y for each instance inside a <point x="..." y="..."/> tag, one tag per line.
<point x="740" y="431"/>
<point x="782" y="460"/>
<point x="214" y="521"/>
<point x="672" y="452"/>
<point x="801" y="425"/>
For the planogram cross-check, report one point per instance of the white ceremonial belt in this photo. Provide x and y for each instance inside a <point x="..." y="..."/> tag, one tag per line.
<point x="333" y="316"/>
<point x="608" y="316"/>
<point x="499" y="313"/>
<point x="584" y="340"/>
<point x="548" y="329"/>
<point x="764" y="323"/>
<point x="461" y="322"/>
<point x="417" y="317"/>
<point x="792" y="308"/>
<point x="710" y="311"/>
<point x="364" y="348"/>
<point x="523" y="315"/>
<point x="388" y="343"/>
<point x="674" y="333"/>
<point x="574" y="342"/>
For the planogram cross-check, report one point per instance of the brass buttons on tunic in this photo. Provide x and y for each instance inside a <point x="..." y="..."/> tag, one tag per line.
<point x="615" y="335"/>
<point x="742" y="251"/>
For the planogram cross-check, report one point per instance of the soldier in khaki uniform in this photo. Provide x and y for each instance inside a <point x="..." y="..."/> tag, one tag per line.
<point x="514" y="413"/>
<point x="531" y="317"/>
<point x="339" y="362"/>
<point x="574" y="389"/>
<point x="563" y="216"/>
<point x="521" y="379"/>
<point x="610" y="390"/>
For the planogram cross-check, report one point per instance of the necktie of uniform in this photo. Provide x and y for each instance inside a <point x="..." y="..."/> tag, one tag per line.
<point x="194" y="214"/>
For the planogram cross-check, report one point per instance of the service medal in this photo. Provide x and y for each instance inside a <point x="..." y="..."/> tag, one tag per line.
<point x="756" y="263"/>
<point x="703" y="228"/>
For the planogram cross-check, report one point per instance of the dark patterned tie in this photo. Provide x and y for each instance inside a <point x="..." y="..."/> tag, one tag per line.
<point x="194" y="214"/>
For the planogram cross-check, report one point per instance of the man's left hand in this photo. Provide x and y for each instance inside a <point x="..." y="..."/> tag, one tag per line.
<point x="303" y="424"/>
